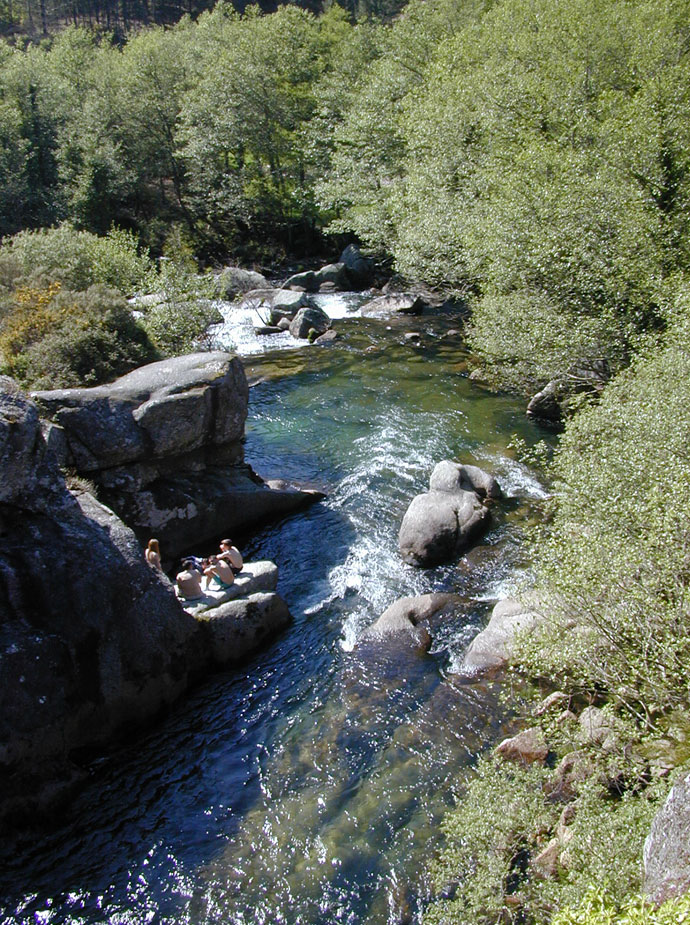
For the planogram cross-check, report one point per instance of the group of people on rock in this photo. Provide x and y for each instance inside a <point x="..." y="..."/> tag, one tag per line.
<point x="217" y="571"/>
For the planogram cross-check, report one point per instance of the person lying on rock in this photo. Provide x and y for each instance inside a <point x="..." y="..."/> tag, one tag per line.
<point x="219" y="574"/>
<point x="231" y="554"/>
<point x="189" y="582"/>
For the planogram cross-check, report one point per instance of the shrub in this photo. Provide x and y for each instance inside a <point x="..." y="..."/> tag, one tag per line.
<point x="597" y="908"/>
<point x="55" y="338"/>
<point x="615" y="567"/>
<point x="78" y="259"/>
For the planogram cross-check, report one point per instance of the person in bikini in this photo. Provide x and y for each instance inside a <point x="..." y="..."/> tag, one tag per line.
<point x="219" y="574"/>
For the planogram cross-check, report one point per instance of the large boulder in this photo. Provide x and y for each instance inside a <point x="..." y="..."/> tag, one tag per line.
<point x="234" y="281"/>
<point x="491" y="650"/>
<point x="164" y="447"/>
<point x="667" y="848"/>
<point x="452" y="476"/>
<point x="308" y="319"/>
<point x="235" y="629"/>
<point x="93" y="640"/>
<point x="442" y="522"/>
<point x="360" y="269"/>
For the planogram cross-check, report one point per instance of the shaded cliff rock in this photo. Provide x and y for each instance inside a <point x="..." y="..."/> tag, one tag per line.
<point x="163" y="445"/>
<point x="92" y="639"/>
<point x="442" y="522"/>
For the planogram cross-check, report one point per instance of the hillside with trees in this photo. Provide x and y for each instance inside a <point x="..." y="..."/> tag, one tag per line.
<point x="532" y="159"/>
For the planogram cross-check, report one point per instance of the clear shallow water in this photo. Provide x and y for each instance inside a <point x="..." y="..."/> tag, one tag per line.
<point x="307" y="787"/>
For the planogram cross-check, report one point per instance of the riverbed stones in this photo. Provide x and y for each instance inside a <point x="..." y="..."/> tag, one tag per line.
<point x="490" y="651"/>
<point x="443" y="522"/>
<point x="164" y="446"/>
<point x="395" y="303"/>
<point x="309" y="319"/>
<point x="527" y="747"/>
<point x="667" y="847"/>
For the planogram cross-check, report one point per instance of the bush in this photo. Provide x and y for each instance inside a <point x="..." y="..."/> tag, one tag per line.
<point x="54" y="338"/>
<point x="597" y="908"/>
<point x="78" y="259"/>
<point x="616" y="564"/>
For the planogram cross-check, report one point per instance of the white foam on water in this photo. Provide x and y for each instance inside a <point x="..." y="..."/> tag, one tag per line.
<point x="241" y="319"/>
<point x="516" y="480"/>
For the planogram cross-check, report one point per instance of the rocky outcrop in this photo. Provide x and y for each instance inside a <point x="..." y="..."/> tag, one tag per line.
<point x="352" y="271"/>
<point x="490" y="651"/>
<point x="92" y="638"/>
<point x="93" y="641"/>
<point x="667" y="848"/>
<point x="442" y="522"/>
<point x="163" y="446"/>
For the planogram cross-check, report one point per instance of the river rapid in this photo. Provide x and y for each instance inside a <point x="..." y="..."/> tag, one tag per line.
<point x="308" y="786"/>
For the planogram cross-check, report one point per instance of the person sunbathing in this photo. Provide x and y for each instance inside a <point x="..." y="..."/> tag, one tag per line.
<point x="189" y="582"/>
<point x="219" y="574"/>
<point x="231" y="554"/>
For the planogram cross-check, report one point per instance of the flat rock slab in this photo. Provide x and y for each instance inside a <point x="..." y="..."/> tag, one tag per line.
<point x="162" y="409"/>
<point x="255" y="576"/>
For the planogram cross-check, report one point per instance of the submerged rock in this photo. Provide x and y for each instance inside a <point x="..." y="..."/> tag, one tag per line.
<point x="405" y="617"/>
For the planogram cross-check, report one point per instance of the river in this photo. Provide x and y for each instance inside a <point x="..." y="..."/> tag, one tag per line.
<point x="307" y="786"/>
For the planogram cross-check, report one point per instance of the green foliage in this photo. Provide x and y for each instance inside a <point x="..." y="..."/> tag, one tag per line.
<point x="616" y="560"/>
<point x="54" y="338"/>
<point x="78" y="259"/>
<point x="181" y="310"/>
<point x="597" y="908"/>
<point x="499" y="822"/>
<point x="502" y="823"/>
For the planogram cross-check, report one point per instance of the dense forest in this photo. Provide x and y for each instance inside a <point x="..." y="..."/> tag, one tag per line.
<point x="531" y="158"/>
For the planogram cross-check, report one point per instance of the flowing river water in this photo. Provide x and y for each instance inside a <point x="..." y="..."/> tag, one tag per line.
<point x="308" y="785"/>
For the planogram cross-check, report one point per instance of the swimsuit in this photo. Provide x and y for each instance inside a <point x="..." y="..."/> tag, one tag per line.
<point x="221" y="584"/>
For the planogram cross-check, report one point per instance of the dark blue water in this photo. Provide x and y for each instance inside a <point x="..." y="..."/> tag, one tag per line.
<point x="307" y="787"/>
